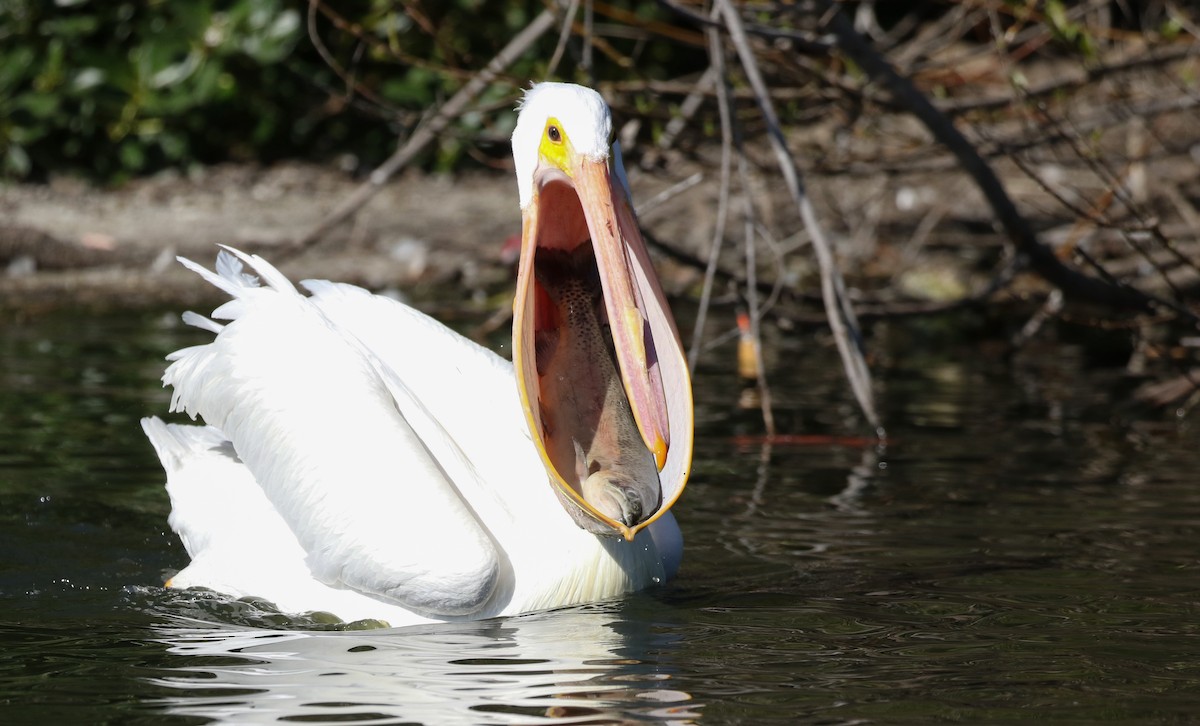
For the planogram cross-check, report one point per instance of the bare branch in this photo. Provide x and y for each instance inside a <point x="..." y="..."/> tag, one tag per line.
<point x="563" y="36"/>
<point x="717" y="67"/>
<point x="428" y="131"/>
<point x="1040" y="257"/>
<point x="837" y="305"/>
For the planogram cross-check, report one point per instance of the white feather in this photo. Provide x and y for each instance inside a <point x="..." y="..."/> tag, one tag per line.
<point x="383" y="466"/>
<point x="197" y="320"/>
<point x="583" y="115"/>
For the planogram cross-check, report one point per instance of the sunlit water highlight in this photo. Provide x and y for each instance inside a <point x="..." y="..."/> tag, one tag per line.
<point x="1022" y="549"/>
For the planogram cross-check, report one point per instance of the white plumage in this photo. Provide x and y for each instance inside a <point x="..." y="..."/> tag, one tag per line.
<point x="585" y="120"/>
<point x="361" y="458"/>
<point x="337" y="502"/>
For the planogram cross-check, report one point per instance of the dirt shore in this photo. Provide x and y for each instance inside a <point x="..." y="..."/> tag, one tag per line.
<point x="921" y="233"/>
<point x="68" y="243"/>
<point x="72" y="244"/>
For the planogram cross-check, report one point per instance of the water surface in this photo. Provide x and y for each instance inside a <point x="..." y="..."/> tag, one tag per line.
<point x="1024" y="548"/>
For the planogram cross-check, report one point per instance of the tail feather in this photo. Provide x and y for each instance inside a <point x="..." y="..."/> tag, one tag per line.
<point x="196" y="320"/>
<point x="231" y="268"/>
<point x="234" y="284"/>
<point x="186" y="374"/>
<point x="268" y="272"/>
<point x="174" y="441"/>
<point x="231" y="277"/>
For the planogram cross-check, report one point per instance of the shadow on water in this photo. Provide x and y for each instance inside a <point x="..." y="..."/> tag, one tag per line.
<point x="1020" y="550"/>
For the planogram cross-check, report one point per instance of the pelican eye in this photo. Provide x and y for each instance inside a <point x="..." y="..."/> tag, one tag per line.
<point x="554" y="147"/>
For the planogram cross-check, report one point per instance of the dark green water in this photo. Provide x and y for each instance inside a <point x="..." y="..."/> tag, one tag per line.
<point x="1022" y="550"/>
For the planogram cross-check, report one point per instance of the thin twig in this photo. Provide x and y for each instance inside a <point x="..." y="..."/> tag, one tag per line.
<point x="645" y="208"/>
<point x="1096" y="215"/>
<point x="1051" y="308"/>
<point x="803" y="43"/>
<point x="589" y="39"/>
<point x="1061" y="84"/>
<point x="353" y="87"/>
<point x="1117" y="188"/>
<point x="1041" y="258"/>
<point x="716" y="54"/>
<point x="837" y="306"/>
<point x="563" y="36"/>
<point x="777" y="253"/>
<point x="357" y="30"/>
<point x="428" y="131"/>
<point x="750" y="246"/>
<point x="691" y="104"/>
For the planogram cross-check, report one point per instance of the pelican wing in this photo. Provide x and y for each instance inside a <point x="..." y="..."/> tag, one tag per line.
<point x="363" y="475"/>
<point x="467" y="389"/>
<point x="234" y="535"/>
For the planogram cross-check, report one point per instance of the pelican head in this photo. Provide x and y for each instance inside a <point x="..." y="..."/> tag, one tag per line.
<point x="599" y="365"/>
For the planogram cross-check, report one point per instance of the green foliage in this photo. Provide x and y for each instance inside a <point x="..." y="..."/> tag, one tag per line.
<point x="411" y="56"/>
<point x="110" y="89"/>
<point x="116" y="88"/>
<point x="1074" y="34"/>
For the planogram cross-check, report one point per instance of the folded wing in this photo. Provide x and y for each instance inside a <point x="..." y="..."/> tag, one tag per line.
<point x="365" y="477"/>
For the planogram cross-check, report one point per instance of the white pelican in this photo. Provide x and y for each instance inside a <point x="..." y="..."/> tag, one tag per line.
<point x="362" y="459"/>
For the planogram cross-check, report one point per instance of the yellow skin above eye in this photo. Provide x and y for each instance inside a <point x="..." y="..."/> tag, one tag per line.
<point x="557" y="153"/>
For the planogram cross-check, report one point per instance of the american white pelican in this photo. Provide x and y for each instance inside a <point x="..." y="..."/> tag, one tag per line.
<point x="362" y="459"/>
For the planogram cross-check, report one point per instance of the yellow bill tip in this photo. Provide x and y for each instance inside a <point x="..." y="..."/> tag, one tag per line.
<point x="659" y="448"/>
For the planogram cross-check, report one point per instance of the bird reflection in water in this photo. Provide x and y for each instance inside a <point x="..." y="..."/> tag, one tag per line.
<point x="581" y="665"/>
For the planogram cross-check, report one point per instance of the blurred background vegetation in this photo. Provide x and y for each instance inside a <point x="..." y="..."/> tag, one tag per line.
<point x="1085" y="108"/>
<point x="114" y="89"/>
